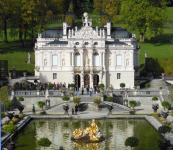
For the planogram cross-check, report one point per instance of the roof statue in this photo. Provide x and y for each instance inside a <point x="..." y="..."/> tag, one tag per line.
<point x="86" y="18"/>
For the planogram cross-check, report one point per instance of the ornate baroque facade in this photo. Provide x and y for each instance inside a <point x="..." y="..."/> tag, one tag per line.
<point x="87" y="55"/>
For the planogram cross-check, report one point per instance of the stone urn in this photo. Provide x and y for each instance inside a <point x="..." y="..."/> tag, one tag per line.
<point x="11" y="146"/>
<point x="163" y="145"/>
<point x="155" y="107"/>
<point x="20" y="108"/>
<point x="165" y="114"/>
<point x="10" y="115"/>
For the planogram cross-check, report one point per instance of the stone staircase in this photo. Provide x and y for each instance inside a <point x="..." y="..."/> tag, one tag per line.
<point x="156" y="83"/>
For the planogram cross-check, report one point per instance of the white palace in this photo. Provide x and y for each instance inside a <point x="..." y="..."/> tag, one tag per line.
<point x="87" y="55"/>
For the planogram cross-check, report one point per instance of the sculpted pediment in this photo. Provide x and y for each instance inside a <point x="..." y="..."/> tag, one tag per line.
<point x="86" y="33"/>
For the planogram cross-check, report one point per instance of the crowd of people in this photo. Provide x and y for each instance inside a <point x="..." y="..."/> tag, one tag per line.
<point x="58" y="86"/>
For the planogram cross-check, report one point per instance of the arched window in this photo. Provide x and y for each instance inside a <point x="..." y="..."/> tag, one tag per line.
<point x="96" y="59"/>
<point x="77" y="59"/>
<point x="54" y="60"/>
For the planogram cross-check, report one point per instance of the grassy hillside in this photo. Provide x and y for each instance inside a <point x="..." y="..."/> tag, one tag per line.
<point x="158" y="47"/>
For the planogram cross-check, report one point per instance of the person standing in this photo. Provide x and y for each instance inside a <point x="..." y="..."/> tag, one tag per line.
<point x="91" y="90"/>
<point x="76" y="109"/>
<point x="68" y="86"/>
<point x="57" y="86"/>
<point x="82" y="89"/>
<point x="77" y="89"/>
<point x="96" y="90"/>
<point x="33" y="109"/>
<point x="87" y="90"/>
<point x="72" y="111"/>
<point x="74" y="90"/>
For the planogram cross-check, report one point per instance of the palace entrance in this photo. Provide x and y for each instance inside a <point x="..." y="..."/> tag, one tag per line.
<point x="86" y="80"/>
<point x="96" y="80"/>
<point x="77" y="80"/>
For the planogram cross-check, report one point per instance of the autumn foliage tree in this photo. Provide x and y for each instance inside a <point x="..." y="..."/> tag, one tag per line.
<point x="4" y="95"/>
<point x="69" y="20"/>
<point x="145" y="16"/>
<point x="98" y="5"/>
<point x="103" y="20"/>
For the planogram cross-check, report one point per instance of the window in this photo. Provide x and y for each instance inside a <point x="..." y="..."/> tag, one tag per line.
<point x="118" y="60"/>
<point x="77" y="59"/>
<point x="118" y="75"/>
<point x="96" y="59"/>
<point x="54" y="75"/>
<point x="54" y="60"/>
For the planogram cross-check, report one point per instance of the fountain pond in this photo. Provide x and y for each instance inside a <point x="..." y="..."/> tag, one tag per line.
<point x="59" y="132"/>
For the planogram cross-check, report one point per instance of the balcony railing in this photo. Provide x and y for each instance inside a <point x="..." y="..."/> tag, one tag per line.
<point x="79" y="68"/>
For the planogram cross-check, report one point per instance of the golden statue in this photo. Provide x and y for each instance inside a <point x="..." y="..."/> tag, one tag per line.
<point x="90" y="134"/>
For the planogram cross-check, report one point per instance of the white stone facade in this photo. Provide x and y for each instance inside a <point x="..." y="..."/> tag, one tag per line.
<point x="95" y="54"/>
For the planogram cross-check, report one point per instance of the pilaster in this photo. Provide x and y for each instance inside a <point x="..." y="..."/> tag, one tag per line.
<point x="73" y="59"/>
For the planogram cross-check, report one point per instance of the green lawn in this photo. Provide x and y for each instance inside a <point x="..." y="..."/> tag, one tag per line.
<point x="170" y="12"/>
<point x="158" y="47"/>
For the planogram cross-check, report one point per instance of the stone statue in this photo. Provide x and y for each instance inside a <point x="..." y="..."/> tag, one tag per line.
<point x="47" y="94"/>
<point x="125" y="94"/>
<point x="66" y="108"/>
<point x="45" y="62"/>
<point x="86" y="19"/>
<point x="127" y="62"/>
<point x="87" y="61"/>
<point x="146" y="54"/>
<point x="29" y="57"/>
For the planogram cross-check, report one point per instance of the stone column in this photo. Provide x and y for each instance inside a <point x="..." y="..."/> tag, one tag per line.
<point x="82" y="79"/>
<point x="10" y="75"/>
<point x="100" y="54"/>
<point x="114" y="59"/>
<point x="29" y="57"/>
<point x="81" y="53"/>
<point x="104" y="61"/>
<point x="105" y="79"/>
<point x="91" y="79"/>
<point x="91" y="58"/>
<point x="73" y="59"/>
<point x="50" y="59"/>
<point x="73" y="75"/>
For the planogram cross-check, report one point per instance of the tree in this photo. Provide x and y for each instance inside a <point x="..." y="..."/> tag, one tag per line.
<point x="170" y="95"/>
<point x="8" y="105"/>
<point x="69" y="20"/>
<point x="165" y="104"/>
<point x="132" y="103"/>
<point x="145" y="16"/>
<point x="41" y="104"/>
<point x="98" y="5"/>
<point x="10" y="128"/>
<point x="132" y="142"/>
<point x="44" y="142"/>
<point x="5" y="12"/>
<point x="103" y="20"/>
<point x="164" y="129"/>
<point x="4" y="95"/>
<point x="113" y="7"/>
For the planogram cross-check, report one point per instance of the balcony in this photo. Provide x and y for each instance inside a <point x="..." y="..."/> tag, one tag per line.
<point x="79" y="68"/>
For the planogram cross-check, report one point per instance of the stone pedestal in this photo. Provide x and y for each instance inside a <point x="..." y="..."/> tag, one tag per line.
<point x="96" y="108"/>
<point x="47" y="106"/>
<point x="62" y="94"/>
<point x="102" y="99"/>
<point x="10" y="75"/>
<point x="38" y="92"/>
<point x="71" y="98"/>
<point x="12" y="93"/>
<point x="110" y="94"/>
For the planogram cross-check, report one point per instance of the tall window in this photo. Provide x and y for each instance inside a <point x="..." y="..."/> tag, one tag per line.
<point x="54" y="75"/>
<point x="118" y="75"/>
<point x="77" y="59"/>
<point x="54" y="60"/>
<point x="118" y="60"/>
<point x="96" y="59"/>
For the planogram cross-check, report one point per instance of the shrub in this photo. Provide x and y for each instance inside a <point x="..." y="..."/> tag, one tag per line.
<point x="138" y="81"/>
<point x="72" y="92"/>
<point x="26" y="85"/>
<point x="132" y="103"/>
<point x="122" y="85"/>
<point x="50" y="85"/>
<point x="15" y="119"/>
<point x="164" y="129"/>
<point x="44" y="142"/>
<point x="20" y="99"/>
<point x="110" y="99"/>
<point x="8" y="105"/>
<point x="41" y="104"/>
<point x="97" y="100"/>
<point x="132" y="142"/>
<point x="69" y="20"/>
<point x="101" y="85"/>
<point x="147" y="85"/>
<point x="65" y="98"/>
<point x="110" y="88"/>
<point x="165" y="104"/>
<point x="20" y="115"/>
<point x="2" y="115"/>
<point x="76" y="99"/>
<point x="11" y="122"/>
<point x="72" y="85"/>
<point x="10" y="128"/>
<point x="154" y="98"/>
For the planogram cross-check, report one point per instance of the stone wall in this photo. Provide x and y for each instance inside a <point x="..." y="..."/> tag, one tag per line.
<point x="29" y="101"/>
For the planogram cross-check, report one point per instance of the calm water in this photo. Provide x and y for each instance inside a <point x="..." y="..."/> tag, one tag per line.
<point x="115" y="130"/>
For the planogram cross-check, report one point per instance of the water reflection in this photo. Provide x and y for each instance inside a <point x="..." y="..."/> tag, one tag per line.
<point x="59" y="132"/>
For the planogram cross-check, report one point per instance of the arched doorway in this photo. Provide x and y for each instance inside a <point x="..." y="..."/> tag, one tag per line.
<point x="96" y="80"/>
<point x="86" y="80"/>
<point x="77" y="80"/>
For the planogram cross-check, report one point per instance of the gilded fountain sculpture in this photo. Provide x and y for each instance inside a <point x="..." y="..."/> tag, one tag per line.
<point x="89" y="135"/>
